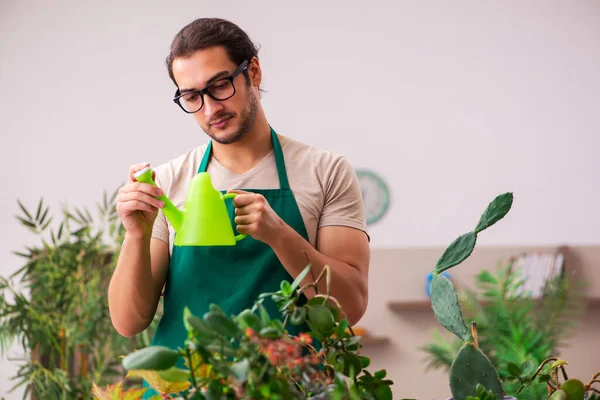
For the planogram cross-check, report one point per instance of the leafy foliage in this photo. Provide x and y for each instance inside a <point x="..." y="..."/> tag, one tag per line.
<point x="252" y="355"/>
<point x="547" y="373"/>
<point x="56" y="308"/>
<point x="513" y="329"/>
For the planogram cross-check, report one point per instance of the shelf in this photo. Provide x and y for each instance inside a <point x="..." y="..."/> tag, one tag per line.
<point x="425" y="304"/>
<point x="410" y="305"/>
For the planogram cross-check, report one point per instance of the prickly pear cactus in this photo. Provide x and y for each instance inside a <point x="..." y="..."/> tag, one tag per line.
<point x="444" y="301"/>
<point x="472" y="367"/>
<point x="495" y="211"/>
<point x="457" y="252"/>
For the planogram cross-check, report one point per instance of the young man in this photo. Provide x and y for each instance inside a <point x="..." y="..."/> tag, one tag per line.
<point x="297" y="204"/>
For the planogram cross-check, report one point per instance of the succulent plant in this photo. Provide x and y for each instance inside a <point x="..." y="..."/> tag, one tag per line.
<point x="471" y="367"/>
<point x="548" y="372"/>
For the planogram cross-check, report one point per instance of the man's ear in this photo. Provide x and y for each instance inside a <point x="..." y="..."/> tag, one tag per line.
<point x="255" y="72"/>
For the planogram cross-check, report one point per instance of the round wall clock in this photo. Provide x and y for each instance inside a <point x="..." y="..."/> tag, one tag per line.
<point x="375" y="194"/>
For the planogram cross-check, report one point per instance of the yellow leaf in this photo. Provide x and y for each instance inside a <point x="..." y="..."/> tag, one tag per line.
<point x="157" y="383"/>
<point x="115" y="392"/>
<point x="557" y="363"/>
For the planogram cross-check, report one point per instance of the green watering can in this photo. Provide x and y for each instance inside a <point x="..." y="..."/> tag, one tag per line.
<point x="204" y="221"/>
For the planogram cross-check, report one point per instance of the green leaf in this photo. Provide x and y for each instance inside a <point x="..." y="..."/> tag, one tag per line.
<point x="383" y="393"/>
<point x="264" y="314"/>
<point x="24" y="209"/>
<point x="364" y="362"/>
<point x="174" y="374"/>
<point x="379" y="375"/>
<point x="513" y="369"/>
<point x="487" y="277"/>
<point x="512" y="380"/>
<point x="351" y="364"/>
<point x="151" y="358"/>
<point x="39" y="209"/>
<point x="300" y="278"/>
<point x="320" y="318"/>
<point x="26" y="223"/>
<point x="340" y="330"/>
<point x="544" y="378"/>
<point x="186" y="314"/>
<point x="286" y="288"/>
<point x="221" y="323"/>
<point x="248" y="319"/>
<point x="200" y="327"/>
<point x="298" y="316"/>
<point x="527" y="368"/>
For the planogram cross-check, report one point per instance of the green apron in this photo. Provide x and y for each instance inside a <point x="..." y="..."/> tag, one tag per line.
<point x="229" y="276"/>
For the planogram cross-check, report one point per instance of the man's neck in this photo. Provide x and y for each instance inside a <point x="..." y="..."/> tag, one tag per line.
<point x="243" y="155"/>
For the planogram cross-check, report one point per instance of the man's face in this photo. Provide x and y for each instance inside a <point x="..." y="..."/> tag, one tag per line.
<point x="224" y="121"/>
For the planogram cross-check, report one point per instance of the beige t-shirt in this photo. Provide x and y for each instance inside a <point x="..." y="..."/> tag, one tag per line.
<point x="324" y="184"/>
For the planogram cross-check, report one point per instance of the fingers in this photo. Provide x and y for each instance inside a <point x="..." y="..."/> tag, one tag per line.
<point x="244" y="219"/>
<point x="137" y="167"/>
<point x="139" y="196"/>
<point x="126" y="208"/>
<point x="246" y="198"/>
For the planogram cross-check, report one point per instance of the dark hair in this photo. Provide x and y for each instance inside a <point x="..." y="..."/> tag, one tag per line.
<point x="210" y="32"/>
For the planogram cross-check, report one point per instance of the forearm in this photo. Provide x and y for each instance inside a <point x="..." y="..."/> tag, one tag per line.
<point x="348" y="285"/>
<point x="132" y="294"/>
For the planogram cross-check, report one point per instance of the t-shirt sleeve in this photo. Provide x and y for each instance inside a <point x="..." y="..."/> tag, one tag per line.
<point x="343" y="198"/>
<point x="160" y="230"/>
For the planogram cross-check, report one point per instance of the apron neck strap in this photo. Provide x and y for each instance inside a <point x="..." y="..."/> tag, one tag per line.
<point x="279" y="161"/>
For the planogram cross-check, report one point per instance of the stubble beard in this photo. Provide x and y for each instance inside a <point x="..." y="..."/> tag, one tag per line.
<point x="246" y="121"/>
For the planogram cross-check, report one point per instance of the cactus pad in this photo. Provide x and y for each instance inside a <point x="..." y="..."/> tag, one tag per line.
<point x="457" y="252"/>
<point x="495" y="211"/>
<point x="444" y="301"/>
<point x="469" y="368"/>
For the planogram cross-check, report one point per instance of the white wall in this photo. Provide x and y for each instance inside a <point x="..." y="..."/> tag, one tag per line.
<point x="452" y="102"/>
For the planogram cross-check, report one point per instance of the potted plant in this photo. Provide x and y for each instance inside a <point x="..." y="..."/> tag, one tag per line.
<point x="251" y="355"/>
<point x="56" y="305"/>
<point x="502" y="310"/>
<point x="548" y="372"/>
<point x="471" y="369"/>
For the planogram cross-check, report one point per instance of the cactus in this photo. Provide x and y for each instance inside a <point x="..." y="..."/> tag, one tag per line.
<point x="470" y="367"/>
<point x="446" y="307"/>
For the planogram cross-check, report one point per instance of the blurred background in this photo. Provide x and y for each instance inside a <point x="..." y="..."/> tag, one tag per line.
<point x="448" y="103"/>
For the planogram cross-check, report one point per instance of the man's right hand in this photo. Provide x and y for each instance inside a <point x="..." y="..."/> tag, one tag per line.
<point x="136" y="205"/>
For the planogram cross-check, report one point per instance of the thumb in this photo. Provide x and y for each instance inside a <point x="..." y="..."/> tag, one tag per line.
<point x="238" y="191"/>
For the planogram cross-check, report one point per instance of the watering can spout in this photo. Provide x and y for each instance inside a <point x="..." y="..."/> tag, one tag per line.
<point x="204" y="220"/>
<point x="173" y="214"/>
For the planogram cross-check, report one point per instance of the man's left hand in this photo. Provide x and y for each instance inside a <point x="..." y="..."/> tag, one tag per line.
<point x="255" y="217"/>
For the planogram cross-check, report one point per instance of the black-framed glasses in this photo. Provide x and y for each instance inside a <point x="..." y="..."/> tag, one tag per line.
<point x="221" y="89"/>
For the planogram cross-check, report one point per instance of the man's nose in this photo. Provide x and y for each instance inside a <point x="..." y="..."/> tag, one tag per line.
<point x="211" y="106"/>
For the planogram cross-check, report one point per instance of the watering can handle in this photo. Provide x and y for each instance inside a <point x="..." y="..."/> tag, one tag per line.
<point x="231" y="196"/>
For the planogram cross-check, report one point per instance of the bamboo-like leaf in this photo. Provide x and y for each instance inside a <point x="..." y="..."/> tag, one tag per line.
<point x="70" y="215"/>
<point x="81" y="216"/>
<point x="87" y="212"/>
<point x="114" y="195"/>
<point x="24" y="210"/>
<point x="43" y="218"/>
<point x="26" y="223"/>
<point x="60" y="230"/>
<point x="39" y="209"/>
<point x="47" y="223"/>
